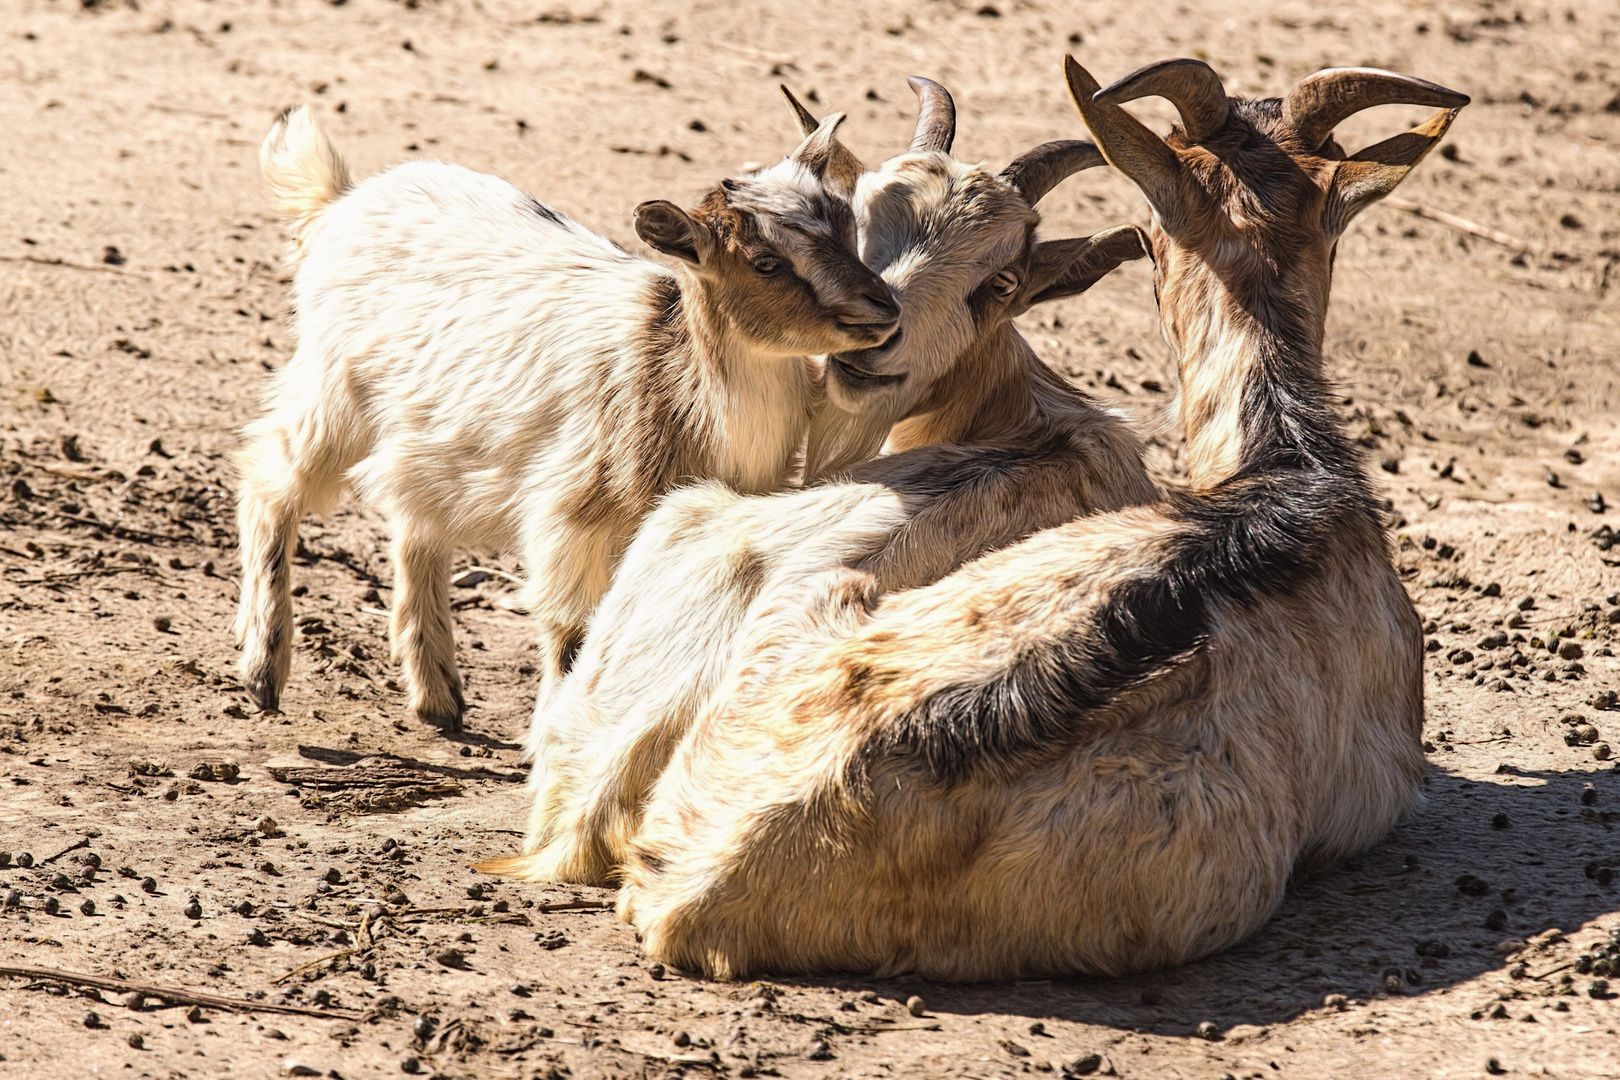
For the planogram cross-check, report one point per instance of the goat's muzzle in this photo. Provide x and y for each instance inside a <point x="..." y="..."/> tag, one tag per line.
<point x="861" y="371"/>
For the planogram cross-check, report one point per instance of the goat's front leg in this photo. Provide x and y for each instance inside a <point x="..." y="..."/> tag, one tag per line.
<point x="420" y="631"/>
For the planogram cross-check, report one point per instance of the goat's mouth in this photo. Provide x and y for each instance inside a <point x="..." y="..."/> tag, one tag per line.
<point x="856" y="376"/>
<point x="880" y="334"/>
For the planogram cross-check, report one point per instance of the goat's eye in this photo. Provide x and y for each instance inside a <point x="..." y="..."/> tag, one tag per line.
<point x="1004" y="284"/>
<point x="766" y="265"/>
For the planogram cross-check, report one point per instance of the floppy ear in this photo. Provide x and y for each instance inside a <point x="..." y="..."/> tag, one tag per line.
<point x="1059" y="268"/>
<point x="1376" y="171"/>
<point x="667" y="228"/>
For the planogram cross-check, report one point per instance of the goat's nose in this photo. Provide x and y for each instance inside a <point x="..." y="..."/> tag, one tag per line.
<point x="883" y="303"/>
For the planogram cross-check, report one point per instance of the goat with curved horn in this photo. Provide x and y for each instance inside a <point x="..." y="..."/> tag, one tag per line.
<point x="1190" y="85"/>
<point x="1037" y="171"/>
<point x="1321" y="102"/>
<point x="936" y="116"/>
<point x="1108" y="746"/>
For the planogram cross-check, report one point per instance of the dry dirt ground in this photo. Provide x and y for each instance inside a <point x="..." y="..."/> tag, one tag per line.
<point x="141" y="306"/>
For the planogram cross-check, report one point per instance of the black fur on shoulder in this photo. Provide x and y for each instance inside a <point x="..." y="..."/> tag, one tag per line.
<point x="1261" y="533"/>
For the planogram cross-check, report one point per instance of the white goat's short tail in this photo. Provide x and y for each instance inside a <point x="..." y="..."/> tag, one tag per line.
<point x="302" y="170"/>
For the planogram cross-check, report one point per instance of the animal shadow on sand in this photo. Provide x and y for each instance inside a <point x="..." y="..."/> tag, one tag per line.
<point x="1525" y="840"/>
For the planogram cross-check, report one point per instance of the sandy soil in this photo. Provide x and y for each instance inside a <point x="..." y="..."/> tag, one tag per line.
<point x="141" y="305"/>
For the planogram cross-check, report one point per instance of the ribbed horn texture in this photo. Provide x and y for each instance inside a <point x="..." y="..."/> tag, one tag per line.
<point x="1190" y="85"/>
<point x="1322" y="101"/>
<point x="936" y="116"/>
<point x="807" y="121"/>
<point x="1127" y="144"/>
<point x="1040" y="169"/>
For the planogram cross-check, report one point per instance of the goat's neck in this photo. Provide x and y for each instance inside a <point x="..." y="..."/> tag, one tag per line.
<point x="1253" y="395"/>
<point x="991" y="394"/>
<point x="753" y="402"/>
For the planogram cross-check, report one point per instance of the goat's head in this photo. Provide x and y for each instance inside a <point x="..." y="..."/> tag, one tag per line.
<point x="956" y="243"/>
<point x="776" y="251"/>
<point x="1250" y="197"/>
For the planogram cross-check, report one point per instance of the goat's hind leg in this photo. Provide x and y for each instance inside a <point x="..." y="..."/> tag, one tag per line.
<point x="422" y="638"/>
<point x="280" y="479"/>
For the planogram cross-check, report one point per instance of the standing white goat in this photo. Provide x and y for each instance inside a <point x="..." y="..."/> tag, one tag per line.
<point x="487" y="372"/>
<point x="992" y="446"/>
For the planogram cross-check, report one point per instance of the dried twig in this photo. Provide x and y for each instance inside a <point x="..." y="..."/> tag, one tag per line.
<point x="317" y="962"/>
<point x="127" y="532"/>
<point x="169" y="993"/>
<point x="1458" y="224"/>
<point x="64" y="264"/>
<point x="490" y="570"/>
<point x="72" y="847"/>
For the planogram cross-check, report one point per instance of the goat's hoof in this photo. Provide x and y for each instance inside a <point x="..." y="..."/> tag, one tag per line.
<point x="265" y="694"/>
<point x="447" y="722"/>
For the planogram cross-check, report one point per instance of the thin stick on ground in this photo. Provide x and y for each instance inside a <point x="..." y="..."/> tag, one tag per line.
<point x="72" y="847"/>
<point x="171" y="994"/>
<point x="1459" y="224"/>
<point x="64" y="264"/>
<point x="315" y="963"/>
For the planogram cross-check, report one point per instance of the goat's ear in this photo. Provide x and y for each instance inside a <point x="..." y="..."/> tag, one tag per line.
<point x="1368" y="176"/>
<point x="1059" y="268"/>
<point x="829" y="160"/>
<point x="667" y="228"/>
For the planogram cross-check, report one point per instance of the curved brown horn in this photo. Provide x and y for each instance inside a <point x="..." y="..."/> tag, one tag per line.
<point x="1190" y="85"/>
<point x="807" y="120"/>
<point x="936" y="116"/>
<point x="1127" y="144"/>
<point x="1322" y="101"/>
<point x="1040" y="169"/>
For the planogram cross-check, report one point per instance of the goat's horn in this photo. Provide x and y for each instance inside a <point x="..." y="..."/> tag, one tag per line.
<point x="936" y="116"/>
<point x="1127" y="144"/>
<point x="1039" y="170"/>
<point x="807" y="120"/>
<point x="1322" y="101"/>
<point x="1190" y="85"/>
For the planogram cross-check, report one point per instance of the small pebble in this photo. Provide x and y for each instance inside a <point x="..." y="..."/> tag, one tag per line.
<point x="1037" y="1028"/>
<point x="128" y="871"/>
<point x="25" y="860"/>
<point x="1207" y="1030"/>
<point x="5" y="859"/>
<point x="51" y="905"/>
<point x="62" y="881"/>
<point x="192" y="910"/>
<point x="194" y="1015"/>
<point x="656" y="972"/>
<point x="298" y="1068"/>
<point x="1494" y="1066"/>
<point x="1496" y="920"/>
<point x="1500" y="821"/>
<point x="91" y="859"/>
<point x="92" y="1019"/>
<point x="136" y="1041"/>
<point x="423" y="1027"/>
<point x="1335" y="1001"/>
<point x="1084" y="1065"/>
<point x="149" y="885"/>
<point x="518" y="989"/>
<point x="162" y="623"/>
<point x="1601" y="751"/>
<point x="869" y="996"/>
<point x="681" y="1039"/>
<point x="333" y="876"/>
<point x="915" y="1005"/>
<point x="1598" y="989"/>
<point x="410" y="1065"/>
<point x="515" y="1015"/>
<point x="88" y="907"/>
<point x="819" y="1051"/>
<point x="134" y="1001"/>
<point x="244" y="908"/>
<point x="266" y="825"/>
<point x="13" y="899"/>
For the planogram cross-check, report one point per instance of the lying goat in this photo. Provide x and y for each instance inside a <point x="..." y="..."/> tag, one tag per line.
<point x="991" y="447"/>
<point x="1107" y="747"/>
<point x="490" y="373"/>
